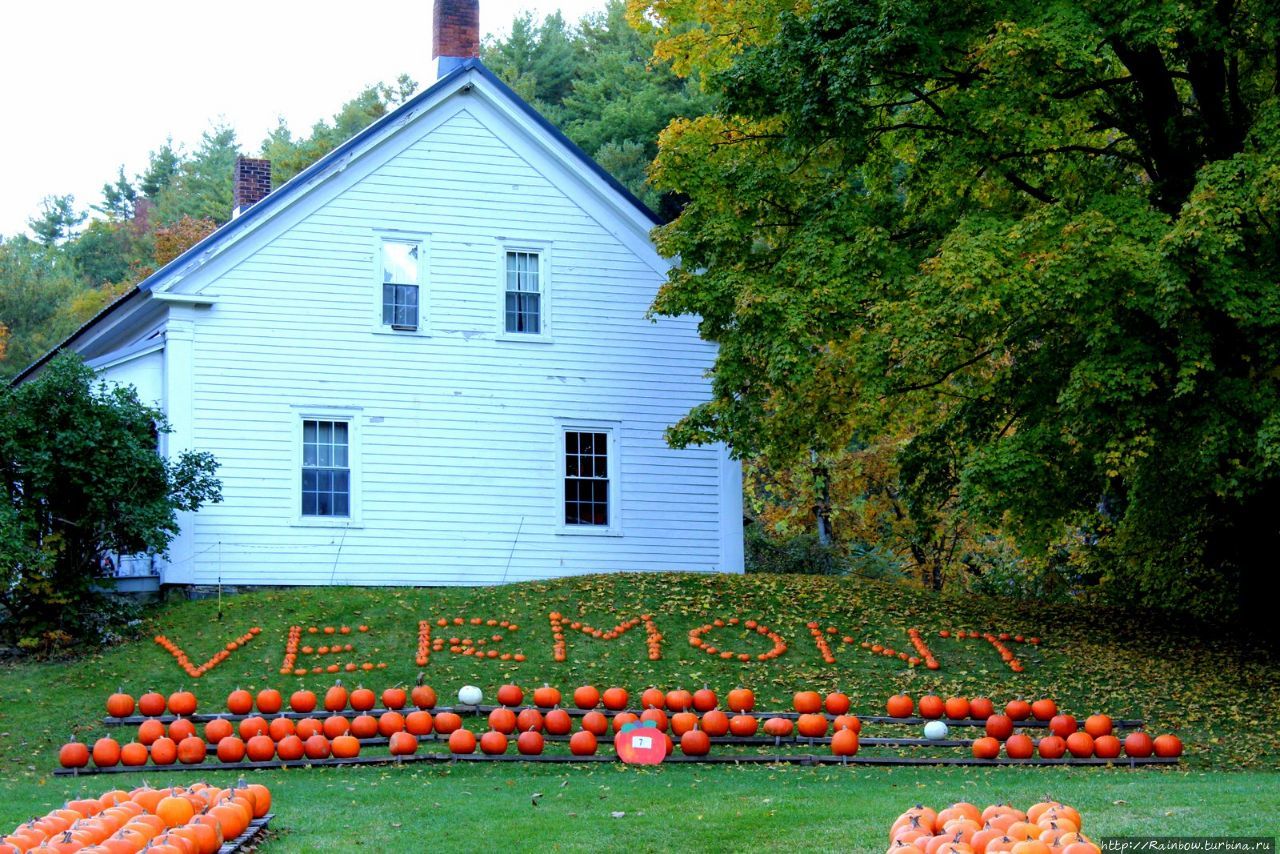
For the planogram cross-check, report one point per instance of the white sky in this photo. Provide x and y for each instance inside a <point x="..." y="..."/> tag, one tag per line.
<point x="88" y="86"/>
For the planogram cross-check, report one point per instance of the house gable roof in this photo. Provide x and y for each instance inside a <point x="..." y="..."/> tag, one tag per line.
<point x="457" y="79"/>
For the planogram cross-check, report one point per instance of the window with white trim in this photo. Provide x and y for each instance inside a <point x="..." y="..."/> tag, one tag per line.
<point x="586" y="478"/>
<point x="400" y="281"/>
<point x="523" y="292"/>
<point x="326" y="468"/>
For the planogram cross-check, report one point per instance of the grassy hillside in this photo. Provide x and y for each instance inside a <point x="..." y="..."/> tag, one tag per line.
<point x="1214" y="694"/>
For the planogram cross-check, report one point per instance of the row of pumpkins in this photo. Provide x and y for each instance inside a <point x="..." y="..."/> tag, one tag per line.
<point x="260" y="740"/>
<point x="1048" y="827"/>
<point x="195" y="819"/>
<point x="1094" y="739"/>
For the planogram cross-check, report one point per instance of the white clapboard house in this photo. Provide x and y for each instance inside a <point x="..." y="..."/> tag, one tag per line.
<point x="426" y="360"/>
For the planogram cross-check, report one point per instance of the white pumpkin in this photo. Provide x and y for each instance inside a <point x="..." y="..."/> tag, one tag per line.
<point x="470" y="695"/>
<point x="935" y="730"/>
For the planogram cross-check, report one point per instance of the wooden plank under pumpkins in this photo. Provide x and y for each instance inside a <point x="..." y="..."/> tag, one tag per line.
<point x="248" y="841"/>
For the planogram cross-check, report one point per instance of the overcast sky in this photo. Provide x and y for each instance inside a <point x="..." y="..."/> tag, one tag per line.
<point x="92" y="85"/>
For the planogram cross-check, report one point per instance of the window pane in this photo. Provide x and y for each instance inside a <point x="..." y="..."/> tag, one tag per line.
<point x="308" y="480"/>
<point x="310" y="505"/>
<point x="399" y="262"/>
<point x="340" y="504"/>
<point x="308" y="431"/>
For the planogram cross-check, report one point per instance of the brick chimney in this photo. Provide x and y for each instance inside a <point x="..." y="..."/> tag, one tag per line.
<point x="252" y="183"/>
<point x="455" y="33"/>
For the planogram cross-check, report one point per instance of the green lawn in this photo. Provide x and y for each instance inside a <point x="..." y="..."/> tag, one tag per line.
<point x="1216" y="694"/>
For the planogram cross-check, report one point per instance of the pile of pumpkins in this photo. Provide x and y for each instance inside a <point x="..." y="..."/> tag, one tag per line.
<point x="195" y="819"/>
<point x="1048" y="827"/>
<point x="1095" y="739"/>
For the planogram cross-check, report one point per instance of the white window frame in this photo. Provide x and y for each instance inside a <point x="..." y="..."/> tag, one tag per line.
<point x="614" y="458"/>
<point x="350" y="415"/>
<point x="543" y="249"/>
<point x="380" y="237"/>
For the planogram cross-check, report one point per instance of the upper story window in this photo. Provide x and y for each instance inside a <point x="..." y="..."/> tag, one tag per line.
<point x="400" y="282"/>
<point x="326" y="468"/>
<point x="523" y="293"/>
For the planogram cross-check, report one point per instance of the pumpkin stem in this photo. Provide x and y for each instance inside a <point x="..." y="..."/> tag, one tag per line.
<point x="421" y="676"/>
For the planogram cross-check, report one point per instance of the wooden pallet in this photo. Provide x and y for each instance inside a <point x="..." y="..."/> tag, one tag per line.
<point x="739" y="759"/>
<point x="248" y="841"/>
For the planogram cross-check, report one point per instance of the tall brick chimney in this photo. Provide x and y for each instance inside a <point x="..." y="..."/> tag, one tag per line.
<point x="252" y="183"/>
<point x="455" y="33"/>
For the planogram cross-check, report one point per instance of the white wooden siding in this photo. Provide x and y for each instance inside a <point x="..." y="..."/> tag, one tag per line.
<point x="459" y="431"/>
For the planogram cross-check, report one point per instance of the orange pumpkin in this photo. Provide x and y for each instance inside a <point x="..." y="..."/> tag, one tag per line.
<point x="595" y="722"/>
<point x="530" y="743"/>
<point x="1080" y="745"/>
<point x="218" y="729"/>
<point x="164" y="751"/>
<point x="510" y="695"/>
<point x="900" y="706"/>
<point x="192" y="750"/>
<point x="1051" y="747"/>
<point x="778" y="727"/>
<point x="1062" y="725"/>
<point x="403" y="744"/>
<point x="807" y="702"/>
<point x="345" y="747"/>
<point x="931" y="706"/>
<point x="615" y="699"/>
<point x="1167" y="745"/>
<point x="290" y="748"/>
<point x="423" y="696"/>
<point x="149" y="731"/>
<point x="502" y="720"/>
<point x="957" y="708"/>
<point x="364" y="726"/>
<point x="1018" y="710"/>
<point x="362" y="699"/>
<point x="260" y="748"/>
<point x="1044" y="709"/>
<point x="418" y="722"/>
<point x="461" y="740"/>
<point x="269" y="701"/>
<point x="151" y="704"/>
<point x="278" y="728"/>
<point x="812" y="725"/>
<point x="622" y="719"/>
<point x="335" y="699"/>
<point x="715" y="723"/>
<point x="558" y="722"/>
<point x="986" y="748"/>
<point x="741" y="700"/>
<point x="182" y="703"/>
<point x="317" y="747"/>
<point x="1019" y="746"/>
<point x="653" y="698"/>
<point x="846" y="722"/>
<point x="586" y="697"/>
<point x="1098" y="725"/>
<point x="249" y="727"/>
<point x="583" y="743"/>
<point x="743" y="726"/>
<point x="493" y="743"/>
<point x="447" y="723"/>
<point x="704" y="699"/>
<point x="844" y="743"/>
<point x="836" y="703"/>
<point x="73" y="754"/>
<point x="239" y="702"/>
<point x="546" y="697"/>
<point x="981" y="708"/>
<point x="106" y="752"/>
<point x="394" y="698"/>
<point x="334" y="726"/>
<point x="175" y="811"/>
<point x="1138" y="745"/>
<point x="230" y="749"/>
<point x="695" y="742"/>
<point x="529" y="719"/>
<point x="999" y="727"/>
<point x="679" y="700"/>
<point x="120" y="705"/>
<point x="655" y="716"/>
<point x="390" y="723"/>
<point x="1106" y="747"/>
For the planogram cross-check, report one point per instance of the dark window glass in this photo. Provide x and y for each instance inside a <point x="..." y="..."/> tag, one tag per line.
<point x="586" y="479"/>
<point x="326" y="473"/>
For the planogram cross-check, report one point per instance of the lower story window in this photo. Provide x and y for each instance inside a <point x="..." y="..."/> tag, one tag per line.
<point x="586" y="478"/>
<point x="326" y="468"/>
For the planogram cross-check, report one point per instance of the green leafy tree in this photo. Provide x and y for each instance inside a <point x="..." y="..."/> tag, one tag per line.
<point x="1040" y="240"/>
<point x="106" y="252"/>
<point x="82" y="480"/>
<point x="118" y="198"/>
<point x="203" y="185"/>
<point x="162" y="167"/>
<point x="289" y="156"/>
<point x="35" y="282"/>
<point x="57" y="220"/>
